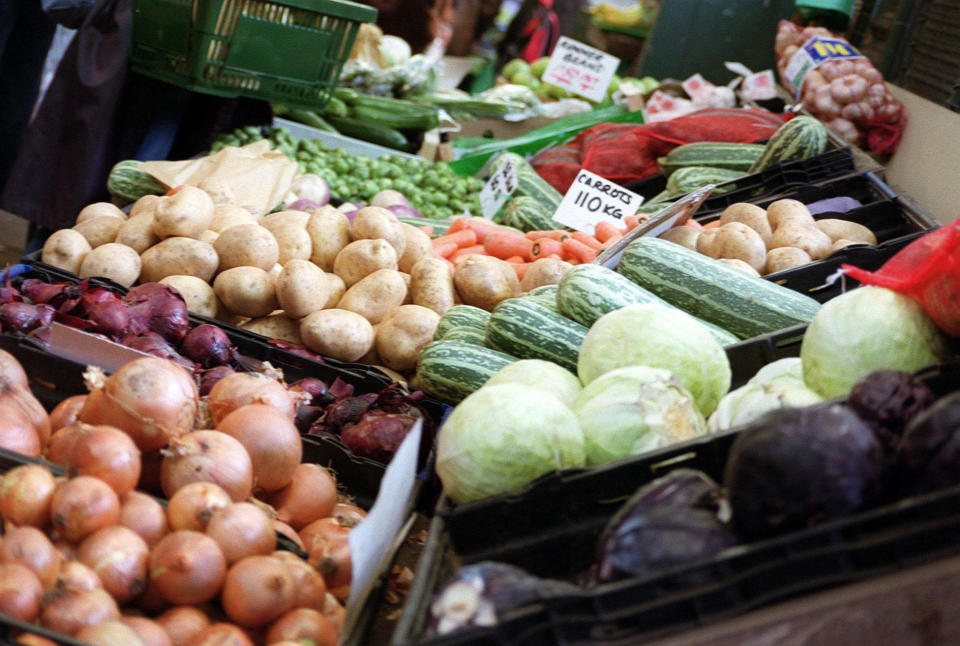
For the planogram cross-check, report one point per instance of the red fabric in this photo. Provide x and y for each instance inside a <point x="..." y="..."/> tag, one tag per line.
<point x="927" y="269"/>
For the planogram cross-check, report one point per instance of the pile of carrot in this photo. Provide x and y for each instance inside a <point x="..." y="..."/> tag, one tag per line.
<point x="469" y="236"/>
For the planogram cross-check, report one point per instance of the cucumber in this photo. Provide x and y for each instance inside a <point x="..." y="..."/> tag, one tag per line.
<point x="713" y="154"/>
<point x="527" y="214"/>
<point x="546" y="295"/>
<point x="462" y="316"/>
<point x="336" y="107"/>
<point x="528" y="330"/>
<point x="690" y="178"/>
<point x="126" y="183"/>
<point x="710" y="290"/>
<point x="529" y="183"/>
<point x="800" y="138"/>
<point x="372" y="132"/>
<point x="451" y="370"/>
<point x="466" y="334"/>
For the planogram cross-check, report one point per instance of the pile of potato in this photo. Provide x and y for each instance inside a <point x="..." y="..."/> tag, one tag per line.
<point x="761" y="242"/>
<point x="370" y="290"/>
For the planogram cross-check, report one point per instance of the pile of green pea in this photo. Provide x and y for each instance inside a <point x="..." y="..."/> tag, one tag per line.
<point x="431" y="188"/>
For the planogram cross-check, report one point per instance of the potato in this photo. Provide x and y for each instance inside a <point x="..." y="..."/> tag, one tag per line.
<point x="374" y="222"/>
<point x="408" y="299"/>
<point x="114" y="261"/>
<point x="218" y="189"/>
<point x="544" y="271"/>
<point x="403" y="333"/>
<point x="785" y="258"/>
<point x="247" y="291"/>
<point x="483" y="281"/>
<point x="197" y="293"/>
<point x="99" y="230"/>
<point x="338" y="334"/>
<point x="740" y="265"/>
<point x="842" y="243"/>
<point x="363" y="257"/>
<point x="65" y="249"/>
<point x="100" y="210"/>
<point x="431" y="284"/>
<point x="329" y="231"/>
<point x="275" y="326"/>
<point x="285" y="218"/>
<point x="416" y="247"/>
<point x="683" y="235"/>
<point x="371" y="357"/>
<point x="336" y="287"/>
<point x="782" y="211"/>
<point x="228" y="215"/>
<point x="178" y="256"/>
<point x="807" y="237"/>
<point x="275" y="271"/>
<point x="293" y="242"/>
<point x="735" y="240"/>
<point x="375" y="295"/>
<point x="146" y="205"/>
<point x="302" y="288"/>
<point x="845" y="229"/>
<point x="137" y="233"/>
<point x="187" y="213"/>
<point x="752" y="216"/>
<point x="247" y="245"/>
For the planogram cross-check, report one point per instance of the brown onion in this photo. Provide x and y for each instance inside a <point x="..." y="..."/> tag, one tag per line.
<point x="272" y="441"/>
<point x="242" y="529"/>
<point x="25" y="495"/>
<point x="152" y="601"/>
<point x="187" y="567"/>
<point x="65" y="413"/>
<point x="335" y="612"/>
<point x="223" y="634"/>
<point x="311" y="494"/>
<point x="244" y="388"/>
<point x="82" y="505"/>
<point x="283" y="529"/>
<point x="183" y="624"/>
<point x="20" y="591"/>
<point x="348" y="514"/>
<point x="11" y="371"/>
<point x="191" y="507"/>
<point x="75" y="576"/>
<point x="144" y="515"/>
<point x="17" y="433"/>
<point x="119" y="557"/>
<point x="207" y="456"/>
<point x="328" y="550"/>
<point x="16" y="396"/>
<point x="151" y="399"/>
<point x="67" y="549"/>
<point x="107" y="453"/>
<point x="31" y="547"/>
<point x="303" y="623"/>
<point x="257" y="590"/>
<point x="311" y="591"/>
<point x="70" y="611"/>
<point x="61" y="443"/>
<point x="148" y="630"/>
<point x="110" y="633"/>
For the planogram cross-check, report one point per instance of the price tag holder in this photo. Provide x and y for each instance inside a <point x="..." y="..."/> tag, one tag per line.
<point x="581" y="69"/>
<point x="592" y="199"/>
<point x="500" y="186"/>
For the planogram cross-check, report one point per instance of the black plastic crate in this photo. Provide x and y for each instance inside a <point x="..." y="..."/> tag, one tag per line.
<point x="551" y="530"/>
<point x="747" y="357"/>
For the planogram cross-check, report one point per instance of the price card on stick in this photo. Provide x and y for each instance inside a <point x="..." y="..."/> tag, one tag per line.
<point x="581" y="69"/>
<point x="591" y="199"/>
<point x="500" y="186"/>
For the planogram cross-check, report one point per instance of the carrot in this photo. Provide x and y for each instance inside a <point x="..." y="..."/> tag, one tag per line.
<point x="175" y="190"/>
<point x="459" y="224"/>
<point x="712" y="225"/>
<point x="468" y="251"/>
<point x="482" y="226"/>
<point x="612" y="241"/>
<point x="604" y="230"/>
<point x="503" y="244"/>
<point x="693" y="223"/>
<point x="553" y="256"/>
<point x="631" y="221"/>
<point x="465" y="238"/>
<point x="576" y="250"/>
<point x="444" y="249"/>
<point x="556" y="234"/>
<point x="521" y="268"/>
<point x="545" y="247"/>
<point x="514" y="259"/>
<point x="427" y="229"/>
<point x="587" y="239"/>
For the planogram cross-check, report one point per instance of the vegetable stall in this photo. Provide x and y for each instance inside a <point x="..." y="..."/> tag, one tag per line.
<point x="673" y="355"/>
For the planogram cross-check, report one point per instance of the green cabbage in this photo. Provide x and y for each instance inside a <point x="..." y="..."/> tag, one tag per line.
<point x="752" y="400"/>
<point x="659" y="336"/>
<point x="541" y="374"/>
<point x="867" y="329"/>
<point x="501" y="437"/>
<point x="629" y="411"/>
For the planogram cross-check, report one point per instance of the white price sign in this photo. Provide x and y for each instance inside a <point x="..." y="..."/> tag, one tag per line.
<point x="591" y="199"/>
<point x="498" y="188"/>
<point x="581" y="69"/>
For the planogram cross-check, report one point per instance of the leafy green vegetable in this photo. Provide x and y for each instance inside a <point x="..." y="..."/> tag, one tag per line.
<point x="545" y="375"/>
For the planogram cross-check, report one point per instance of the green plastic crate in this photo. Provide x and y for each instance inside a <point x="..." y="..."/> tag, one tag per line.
<point x="287" y="51"/>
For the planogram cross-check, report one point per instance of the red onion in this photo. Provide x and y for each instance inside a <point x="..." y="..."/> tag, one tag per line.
<point x="210" y="377"/>
<point x="296" y="349"/>
<point x="208" y="345"/>
<point x="403" y="211"/>
<point x="153" y="343"/>
<point x="92" y="297"/>
<point x="312" y="386"/>
<point x="109" y="317"/>
<point x="160" y="308"/>
<point x="340" y="389"/>
<point x="39" y="291"/>
<point x="304" y="204"/>
<point x="9" y="293"/>
<point x="389" y="197"/>
<point x="24" y="317"/>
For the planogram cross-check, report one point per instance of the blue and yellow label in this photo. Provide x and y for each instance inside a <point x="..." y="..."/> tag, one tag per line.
<point x="816" y="52"/>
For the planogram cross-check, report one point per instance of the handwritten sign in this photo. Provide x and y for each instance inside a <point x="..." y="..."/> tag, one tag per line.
<point x="581" y="69"/>
<point x="500" y="186"/>
<point x="816" y="52"/>
<point x="592" y="199"/>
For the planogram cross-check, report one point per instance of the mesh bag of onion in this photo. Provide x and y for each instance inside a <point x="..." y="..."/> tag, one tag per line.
<point x="839" y="86"/>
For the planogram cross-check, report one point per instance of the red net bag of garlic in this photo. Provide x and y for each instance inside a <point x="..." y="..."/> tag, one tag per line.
<point x="839" y="86"/>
